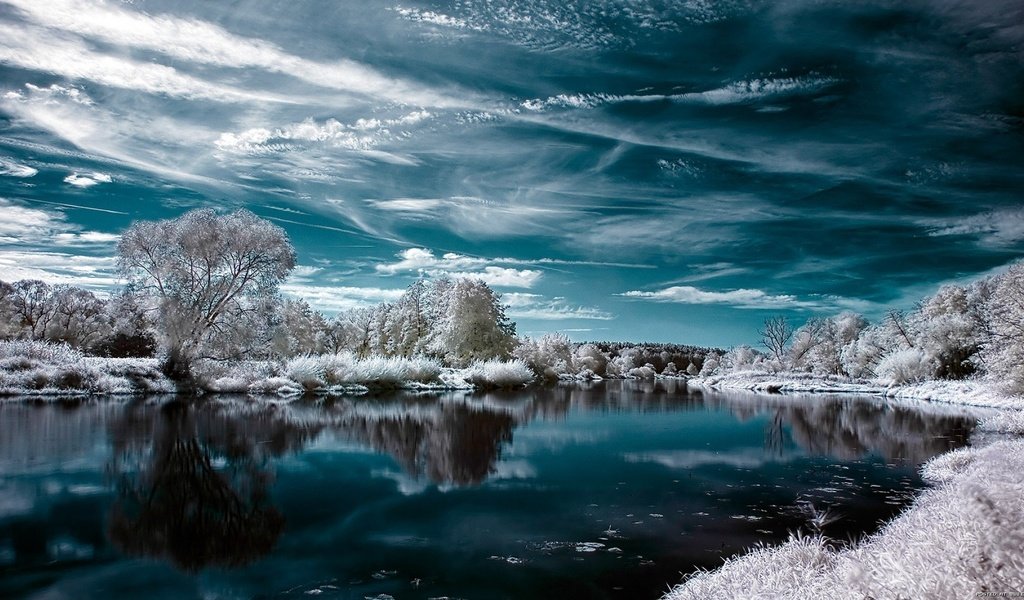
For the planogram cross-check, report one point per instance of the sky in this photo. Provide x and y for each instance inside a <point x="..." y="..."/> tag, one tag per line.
<point x="665" y="171"/>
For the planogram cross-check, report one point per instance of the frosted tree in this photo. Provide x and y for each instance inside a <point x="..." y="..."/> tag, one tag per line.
<point x="32" y="307"/>
<point x="818" y="345"/>
<point x="473" y="326"/>
<point x="79" y="317"/>
<point x="1004" y="351"/>
<point x="950" y="328"/>
<point x="302" y="330"/>
<point x="409" y="320"/>
<point x="352" y="330"/>
<point x="201" y="272"/>
<point x="775" y="334"/>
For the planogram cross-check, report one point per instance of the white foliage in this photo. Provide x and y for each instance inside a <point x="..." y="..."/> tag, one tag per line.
<point x="906" y="366"/>
<point x="499" y="374"/>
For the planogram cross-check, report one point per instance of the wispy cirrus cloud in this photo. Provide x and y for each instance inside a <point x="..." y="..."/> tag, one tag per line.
<point x="199" y="42"/>
<point x="1000" y="227"/>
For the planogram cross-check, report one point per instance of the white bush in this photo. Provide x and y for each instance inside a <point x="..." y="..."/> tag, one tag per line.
<point x="499" y="374"/>
<point x="906" y="366"/>
<point x="307" y="371"/>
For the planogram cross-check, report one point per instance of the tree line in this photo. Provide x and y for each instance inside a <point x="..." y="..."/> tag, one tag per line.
<point x="206" y="286"/>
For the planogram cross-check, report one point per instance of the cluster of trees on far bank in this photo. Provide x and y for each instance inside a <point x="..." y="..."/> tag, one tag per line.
<point x="959" y="332"/>
<point x="205" y="287"/>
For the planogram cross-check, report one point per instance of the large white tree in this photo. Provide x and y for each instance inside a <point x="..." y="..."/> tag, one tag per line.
<point x="202" y="272"/>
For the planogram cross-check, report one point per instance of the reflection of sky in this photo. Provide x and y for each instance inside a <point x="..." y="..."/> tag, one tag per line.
<point x="657" y="475"/>
<point x="619" y="169"/>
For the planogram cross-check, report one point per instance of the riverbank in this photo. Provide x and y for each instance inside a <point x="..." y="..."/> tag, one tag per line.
<point x="964" y="392"/>
<point x="57" y="371"/>
<point x="961" y="538"/>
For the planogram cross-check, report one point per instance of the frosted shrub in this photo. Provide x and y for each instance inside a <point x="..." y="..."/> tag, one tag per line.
<point x="548" y="357"/>
<point x="906" y="366"/>
<point x="307" y="371"/>
<point x="499" y="374"/>
<point x="590" y="357"/>
<point x="60" y="354"/>
<point x="345" y="368"/>
<point x="645" y="372"/>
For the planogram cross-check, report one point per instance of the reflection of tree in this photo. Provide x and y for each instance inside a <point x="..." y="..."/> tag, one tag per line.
<point x="849" y="428"/>
<point x="175" y="500"/>
<point x="452" y="443"/>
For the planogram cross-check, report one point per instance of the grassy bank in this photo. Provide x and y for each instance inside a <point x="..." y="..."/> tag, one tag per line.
<point x="962" y="537"/>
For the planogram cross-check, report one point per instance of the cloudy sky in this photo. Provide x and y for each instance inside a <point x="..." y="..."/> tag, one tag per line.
<point x="618" y="169"/>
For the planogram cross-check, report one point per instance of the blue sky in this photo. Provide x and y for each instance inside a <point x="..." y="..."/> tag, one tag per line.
<point x="618" y="169"/>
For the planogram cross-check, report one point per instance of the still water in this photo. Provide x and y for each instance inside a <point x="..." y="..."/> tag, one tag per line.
<point x="607" y="490"/>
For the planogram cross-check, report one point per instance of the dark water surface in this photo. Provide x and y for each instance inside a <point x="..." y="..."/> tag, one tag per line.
<point x="608" y="490"/>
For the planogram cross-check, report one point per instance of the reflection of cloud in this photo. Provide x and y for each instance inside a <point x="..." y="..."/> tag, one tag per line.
<point x="741" y="458"/>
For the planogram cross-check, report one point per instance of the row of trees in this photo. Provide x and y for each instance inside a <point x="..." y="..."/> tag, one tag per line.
<point x="115" y="326"/>
<point x="205" y="286"/>
<point x="955" y="333"/>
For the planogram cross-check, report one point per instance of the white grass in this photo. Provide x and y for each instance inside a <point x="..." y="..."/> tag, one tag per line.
<point x="499" y="374"/>
<point x="959" y="539"/>
<point x="971" y="392"/>
<point x="30" y="368"/>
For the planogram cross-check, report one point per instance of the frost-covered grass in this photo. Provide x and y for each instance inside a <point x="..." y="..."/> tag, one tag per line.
<point x="972" y="392"/>
<point x="959" y="539"/>
<point x="31" y="368"/>
<point x="499" y="374"/>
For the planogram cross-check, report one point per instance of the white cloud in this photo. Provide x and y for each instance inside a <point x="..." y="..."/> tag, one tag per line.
<point x="87" y="181"/>
<point x="97" y="272"/>
<point x="744" y="458"/>
<point x="362" y="135"/>
<point x="424" y="261"/>
<point x="733" y="93"/>
<point x="541" y="308"/>
<point x="741" y="298"/>
<point x="498" y="276"/>
<point x="42" y="50"/>
<point x="330" y="298"/>
<point x="1001" y="227"/>
<point x="421" y="259"/>
<point x="196" y="41"/>
<point x="20" y="223"/>
<point x="13" y="169"/>
<point x="23" y="225"/>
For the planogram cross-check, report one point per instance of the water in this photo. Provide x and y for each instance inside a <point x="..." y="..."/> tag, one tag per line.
<point x="607" y="490"/>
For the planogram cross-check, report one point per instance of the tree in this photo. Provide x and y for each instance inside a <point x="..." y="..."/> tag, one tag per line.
<point x="32" y="306"/>
<point x="775" y="335"/>
<point x="1004" y="351"/>
<point x="201" y="271"/>
<point x="469" y="322"/>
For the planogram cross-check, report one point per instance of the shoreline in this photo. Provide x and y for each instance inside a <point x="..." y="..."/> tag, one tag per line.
<point x="959" y="538"/>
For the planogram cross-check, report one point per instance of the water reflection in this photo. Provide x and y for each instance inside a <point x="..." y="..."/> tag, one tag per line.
<point x="192" y="483"/>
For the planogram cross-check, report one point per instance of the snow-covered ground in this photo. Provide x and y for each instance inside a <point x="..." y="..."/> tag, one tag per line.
<point x="965" y="392"/>
<point x="960" y="539"/>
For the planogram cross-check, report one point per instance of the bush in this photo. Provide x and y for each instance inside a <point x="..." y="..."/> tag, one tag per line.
<point x="906" y="366"/>
<point x="499" y="374"/>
